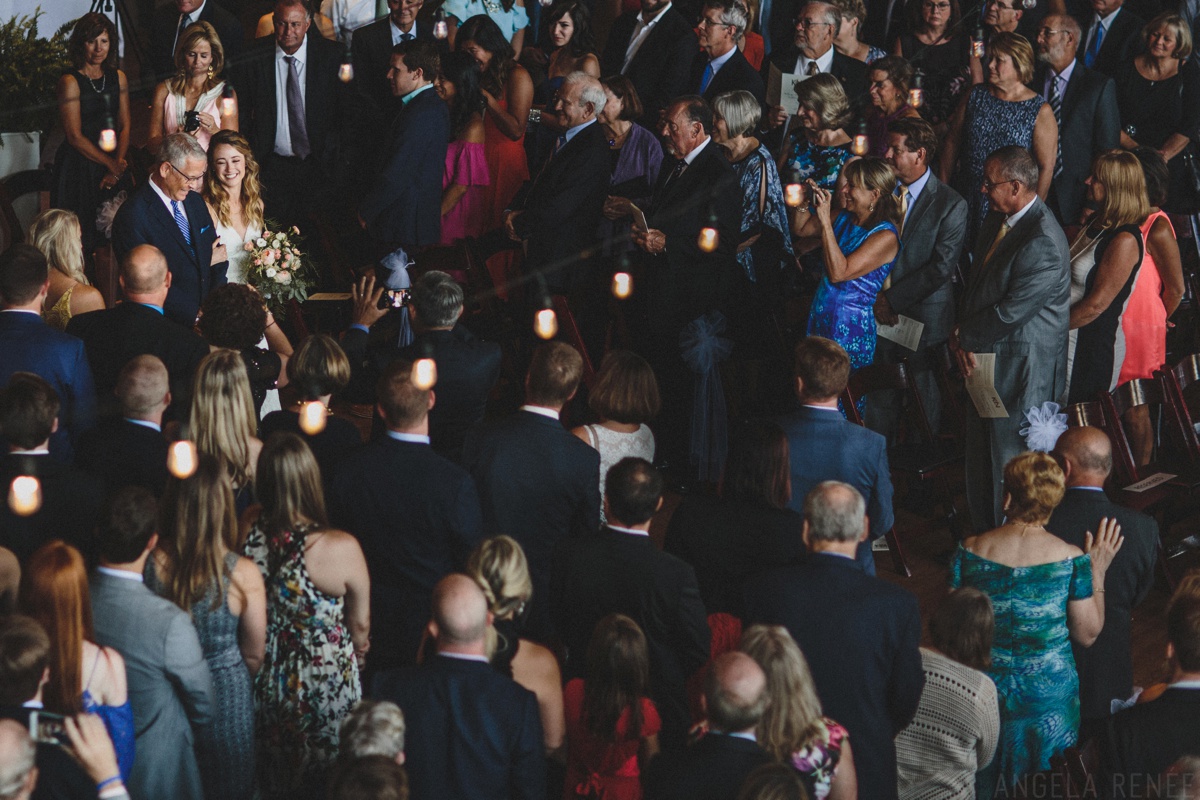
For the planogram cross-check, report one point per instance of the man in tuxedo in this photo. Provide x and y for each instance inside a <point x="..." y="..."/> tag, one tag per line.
<point x="720" y="66"/>
<point x="169" y="213"/>
<point x="1015" y="305"/>
<point x="403" y="207"/>
<point x="1112" y="38"/>
<point x="1084" y="103"/>
<point x="28" y="344"/>
<point x="824" y="446"/>
<point x="130" y="450"/>
<point x="375" y="105"/>
<point x="538" y="483"/>
<point x="1105" y="668"/>
<point x="715" y="767"/>
<point x="138" y="326"/>
<point x="415" y="514"/>
<point x="861" y="635"/>
<point x="171" y="20"/>
<point x="654" y="49"/>
<point x="921" y="283"/>
<point x="472" y="732"/>
<point x="620" y="571"/>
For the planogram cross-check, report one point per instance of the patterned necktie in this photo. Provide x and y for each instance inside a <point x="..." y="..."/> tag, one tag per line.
<point x="707" y="77"/>
<point x="182" y="222"/>
<point x="680" y="166"/>
<point x="406" y="37"/>
<point x="295" y="111"/>
<point x="996" y="242"/>
<point x="1089" y="58"/>
<point x="558" y="144"/>
<point x="903" y="206"/>
<point x="1055" y="101"/>
<point x="813" y="69"/>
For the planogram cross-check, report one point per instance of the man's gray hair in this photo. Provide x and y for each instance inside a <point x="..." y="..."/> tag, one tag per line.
<point x="590" y="89"/>
<point x="835" y="512"/>
<point x="373" y="728"/>
<point x="833" y="14"/>
<point x="437" y="299"/>
<point x="17" y="758"/>
<point x="733" y="13"/>
<point x="1016" y="164"/>
<point x="179" y="148"/>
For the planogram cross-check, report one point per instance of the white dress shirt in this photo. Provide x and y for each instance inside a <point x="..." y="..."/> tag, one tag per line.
<point x="180" y="25"/>
<point x="398" y="35"/>
<point x="719" y="62"/>
<point x="166" y="200"/>
<point x="348" y="16"/>
<point x="283" y="133"/>
<point x="416" y="438"/>
<point x="1014" y="218"/>
<point x="640" y="31"/>
<point x="545" y="412"/>
<point x="1105" y="22"/>
<point x="824" y="63"/>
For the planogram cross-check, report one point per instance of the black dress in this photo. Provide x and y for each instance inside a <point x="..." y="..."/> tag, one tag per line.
<point x="262" y="367"/>
<point x="947" y="72"/>
<point x="77" y="178"/>
<point x="1157" y="109"/>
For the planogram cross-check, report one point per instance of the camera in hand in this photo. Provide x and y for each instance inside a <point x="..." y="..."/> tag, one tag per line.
<point x="191" y="121"/>
<point x="48" y="728"/>
<point x="394" y="298"/>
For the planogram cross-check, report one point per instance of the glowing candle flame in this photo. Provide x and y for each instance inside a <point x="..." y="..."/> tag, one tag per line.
<point x="708" y="239"/>
<point x="859" y="147"/>
<point x="440" y="29"/>
<point x="181" y="459"/>
<point x="346" y="72"/>
<point x="545" y="324"/>
<point x="108" y="139"/>
<point x="622" y="285"/>
<point x="424" y="373"/>
<point x="916" y="97"/>
<point x="25" y="495"/>
<point x="312" y="417"/>
<point x="793" y="194"/>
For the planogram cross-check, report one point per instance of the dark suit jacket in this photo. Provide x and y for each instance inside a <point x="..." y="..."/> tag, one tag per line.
<point x="70" y="502"/>
<point x="165" y="25"/>
<point x="1122" y="41"/>
<point x="1141" y="742"/>
<point x="1106" y="668"/>
<point x="713" y="768"/>
<point x="734" y="74"/>
<point x="27" y="344"/>
<point x="417" y="518"/>
<point x="560" y="212"/>
<point x="371" y="49"/>
<point x="538" y="484"/>
<point x="473" y="734"/>
<point x="623" y="573"/>
<point x="339" y="439"/>
<point x="851" y="72"/>
<point x="861" y="637"/>
<point x="1091" y="125"/>
<point x="144" y="219"/>
<point x="659" y="69"/>
<point x="120" y="453"/>
<point x="115" y="335"/>
<point x="59" y="775"/>
<point x="404" y="205"/>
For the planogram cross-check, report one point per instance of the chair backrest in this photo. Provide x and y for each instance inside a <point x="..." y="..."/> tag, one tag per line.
<point x="1129" y="395"/>
<point x="881" y="377"/>
<point x="1089" y="414"/>
<point x="12" y="189"/>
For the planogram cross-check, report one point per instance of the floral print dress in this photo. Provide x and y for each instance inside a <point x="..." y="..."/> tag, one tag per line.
<point x="818" y="761"/>
<point x="309" y="678"/>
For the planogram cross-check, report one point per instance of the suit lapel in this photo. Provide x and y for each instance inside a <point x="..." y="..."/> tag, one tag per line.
<point x="165" y="220"/>
<point x="649" y="44"/>
<point x="924" y="201"/>
<point x="1071" y="95"/>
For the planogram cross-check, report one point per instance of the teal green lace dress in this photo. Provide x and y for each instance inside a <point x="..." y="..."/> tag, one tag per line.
<point x="1032" y="665"/>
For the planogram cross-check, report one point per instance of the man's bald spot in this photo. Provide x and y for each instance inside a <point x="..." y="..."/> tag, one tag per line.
<point x="142" y="384"/>
<point x="144" y="270"/>
<point x="740" y="677"/>
<point x="1088" y="449"/>
<point x="459" y="609"/>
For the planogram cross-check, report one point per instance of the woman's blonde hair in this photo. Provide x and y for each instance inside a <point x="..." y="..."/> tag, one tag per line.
<point x="500" y="568"/>
<point x="1178" y="26"/>
<point x="56" y="232"/>
<point x="197" y="525"/>
<point x="1126" y="201"/>
<point x="214" y="191"/>
<point x="1035" y="485"/>
<point x="875" y="175"/>
<point x="197" y="32"/>
<point x="824" y="94"/>
<point x="1017" y="48"/>
<point x="222" y="419"/>
<point x="793" y="717"/>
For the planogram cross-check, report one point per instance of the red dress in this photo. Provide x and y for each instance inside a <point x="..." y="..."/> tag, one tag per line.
<point x="1145" y="319"/>
<point x="509" y="170"/>
<point x="602" y="770"/>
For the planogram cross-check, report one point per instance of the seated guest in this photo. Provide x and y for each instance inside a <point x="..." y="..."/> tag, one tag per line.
<point x="620" y="571"/>
<point x="824" y="446"/>
<point x="415" y="513"/>
<point x="172" y="19"/>
<point x="235" y="316"/>
<point x="371" y="47"/>
<point x="370" y="778"/>
<point x="1110" y="40"/>
<point x="193" y="99"/>
<point x="537" y="482"/>
<point x="27" y="344"/>
<point x="735" y="696"/>
<point x="455" y="700"/>
<point x="748" y="527"/>
<point x="957" y="726"/>
<point x="938" y="44"/>
<point x="819" y="145"/>
<point x="465" y="178"/>
<point x="69" y="498"/>
<point x="221" y="420"/>
<point x="890" y="79"/>
<point x="56" y="233"/>
<point x="612" y="726"/>
<point x="169" y="682"/>
<point x="720" y="66"/>
<point x="1106" y="668"/>
<point x="372" y="728"/>
<point x="136" y="326"/>
<point x="653" y="47"/>
<point x="850" y="38"/>
<point x="875" y="692"/>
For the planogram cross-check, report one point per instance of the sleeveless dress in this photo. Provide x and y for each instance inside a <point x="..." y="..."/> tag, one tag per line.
<point x="1032" y="665"/>
<point x="309" y="679"/>
<point x="991" y="124"/>
<point x="1145" y="320"/>
<point x="599" y="769"/>
<point x="614" y="445"/>
<point x="59" y="314"/>
<point x="817" y="762"/>
<point x="509" y="169"/>
<point x="227" y="757"/>
<point x="818" y="162"/>
<point x="947" y="73"/>
<point x="175" y="112"/>
<point x="118" y="721"/>
<point x="77" y="179"/>
<point x="466" y="165"/>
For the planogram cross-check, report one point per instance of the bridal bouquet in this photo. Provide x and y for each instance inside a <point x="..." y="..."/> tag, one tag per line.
<point x="279" y="269"/>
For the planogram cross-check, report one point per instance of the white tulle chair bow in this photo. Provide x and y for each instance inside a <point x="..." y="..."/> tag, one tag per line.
<point x="1044" y="424"/>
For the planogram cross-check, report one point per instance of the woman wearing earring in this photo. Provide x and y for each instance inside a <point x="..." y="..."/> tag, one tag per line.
<point x="190" y="101"/>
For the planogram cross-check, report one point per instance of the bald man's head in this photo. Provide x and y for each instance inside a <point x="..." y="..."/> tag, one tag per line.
<point x="735" y="693"/>
<point x="460" y="612"/>
<point x="144" y="271"/>
<point x="142" y="387"/>
<point x="1085" y="454"/>
<point x="17" y="771"/>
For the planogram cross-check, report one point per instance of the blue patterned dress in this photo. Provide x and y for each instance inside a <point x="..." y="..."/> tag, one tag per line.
<point x="820" y="163"/>
<point x="990" y="124"/>
<point x="1032" y="664"/>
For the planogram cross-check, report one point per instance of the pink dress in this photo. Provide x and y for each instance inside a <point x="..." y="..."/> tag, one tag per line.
<point x="1145" y="320"/>
<point x="175" y="108"/>
<point x="466" y="165"/>
<point x="598" y="769"/>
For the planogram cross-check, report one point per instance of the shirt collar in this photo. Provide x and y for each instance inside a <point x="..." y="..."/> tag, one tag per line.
<point x="571" y="133"/>
<point x="824" y="62"/>
<point x="657" y="17"/>
<point x="194" y="16"/>
<point x="163" y="196"/>
<point x="301" y="55"/>
<point x="1088" y="488"/>
<point x="630" y="531"/>
<point x="120" y="573"/>
<point x="465" y="657"/>
<point x="916" y="187"/>
<point x="159" y="309"/>
<point x="34" y="704"/>
<point x="821" y="408"/>
<point x="416" y="438"/>
<point x="690" y="157"/>
<point x="747" y="735"/>
<point x="1185" y="685"/>
<point x="1107" y="21"/>
<point x="145" y="423"/>
<point x="1066" y="73"/>
<point x="20" y="311"/>
<point x="1013" y="219"/>
<point x="545" y="412"/>
<point x="37" y="451"/>
<point x="397" y="33"/>
<point x="406" y="99"/>
<point x="719" y="61"/>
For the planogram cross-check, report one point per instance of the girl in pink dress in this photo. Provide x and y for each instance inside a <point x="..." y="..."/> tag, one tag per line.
<point x="465" y="180"/>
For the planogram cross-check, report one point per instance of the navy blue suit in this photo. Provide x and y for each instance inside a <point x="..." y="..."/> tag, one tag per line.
<point x="70" y="502"/>
<point x="27" y="344"/>
<point x="144" y="219"/>
<point x="121" y="453"/>
<point x="861" y="637"/>
<point x="825" y="447"/>
<point x="473" y="734"/>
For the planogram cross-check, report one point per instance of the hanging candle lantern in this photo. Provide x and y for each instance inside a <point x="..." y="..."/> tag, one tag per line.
<point x="313" y="416"/>
<point x="861" y="142"/>
<point x="25" y="495"/>
<point x="424" y="373"/>
<point x="916" y="95"/>
<point x="181" y="459"/>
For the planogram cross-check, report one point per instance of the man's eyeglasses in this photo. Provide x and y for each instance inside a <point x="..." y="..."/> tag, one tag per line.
<point x="187" y="177"/>
<point x="808" y="23"/>
<point x="989" y="185"/>
<point x="1048" y="32"/>
<point x="711" y="23"/>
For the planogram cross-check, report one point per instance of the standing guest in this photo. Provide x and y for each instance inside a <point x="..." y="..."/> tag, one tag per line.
<point x="233" y="195"/>
<point x="402" y="207"/>
<point x="84" y="677"/>
<point x="890" y="79"/>
<point x="170" y="687"/>
<point x="1106" y="257"/>
<point x="822" y="146"/>
<point x="348" y="16"/>
<point x="720" y="67"/>
<point x="1043" y="590"/>
<point x="957" y="726"/>
<point x="653" y="46"/>
<point x="751" y="42"/>
<point x="323" y="24"/>
<point x="84" y="174"/>
<point x="169" y="213"/>
<point x="1111" y="38"/>
<point x="1106" y="668"/>
<point x="937" y="44"/>
<point x="465" y="176"/>
<point x="636" y="155"/>
<point x="195" y="568"/>
<point x="510" y="16"/>
<point x="57" y="234"/>
<point x="1016" y="304"/>
<point x="848" y="39"/>
<point x="1159" y="101"/>
<point x="933" y="229"/>
<point x="612" y="725"/>
<point x="318" y="622"/>
<point x="193" y="100"/>
<point x="170" y="23"/>
<point x="221" y="419"/>
<point x="1084" y="103"/>
<point x="235" y="316"/>
<point x="371" y="49"/>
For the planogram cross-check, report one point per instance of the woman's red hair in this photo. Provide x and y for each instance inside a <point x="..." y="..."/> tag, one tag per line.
<point x="54" y="591"/>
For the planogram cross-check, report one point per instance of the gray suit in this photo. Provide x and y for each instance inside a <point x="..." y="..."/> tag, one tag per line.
<point x="1015" y="305"/>
<point x="169" y="683"/>
<point x="922" y="287"/>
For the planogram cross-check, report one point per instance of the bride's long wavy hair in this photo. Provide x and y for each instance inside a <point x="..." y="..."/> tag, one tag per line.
<point x="214" y="191"/>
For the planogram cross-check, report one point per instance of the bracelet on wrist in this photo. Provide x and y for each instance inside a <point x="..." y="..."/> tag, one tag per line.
<point x="114" y="779"/>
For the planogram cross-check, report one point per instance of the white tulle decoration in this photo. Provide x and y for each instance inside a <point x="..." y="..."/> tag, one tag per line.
<point x="108" y="211"/>
<point x="1044" y="425"/>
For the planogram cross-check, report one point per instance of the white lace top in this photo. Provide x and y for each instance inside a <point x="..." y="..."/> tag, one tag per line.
<point x="614" y="446"/>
